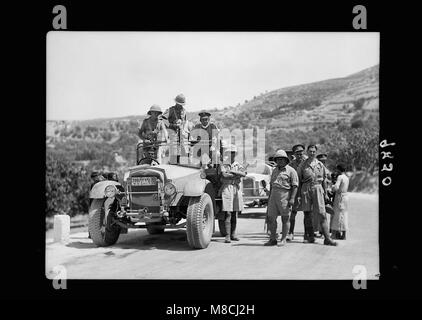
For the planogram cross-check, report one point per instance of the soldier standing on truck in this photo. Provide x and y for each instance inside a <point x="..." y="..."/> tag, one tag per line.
<point x="176" y="120"/>
<point x="153" y="130"/>
<point x="231" y="173"/>
<point x="284" y="183"/>
<point x="211" y="132"/>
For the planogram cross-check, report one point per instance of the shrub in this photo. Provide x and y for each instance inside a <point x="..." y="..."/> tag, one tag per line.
<point x="358" y="104"/>
<point x="67" y="187"/>
<point x="357" y="124"/>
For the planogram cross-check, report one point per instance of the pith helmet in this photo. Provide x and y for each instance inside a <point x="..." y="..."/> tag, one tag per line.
<point x="155" y="107"/>
<point x="281" y="154"/>
<point x="180" y="99"/>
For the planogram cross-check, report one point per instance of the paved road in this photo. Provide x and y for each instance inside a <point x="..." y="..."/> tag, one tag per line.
<point x="138" y="255"/>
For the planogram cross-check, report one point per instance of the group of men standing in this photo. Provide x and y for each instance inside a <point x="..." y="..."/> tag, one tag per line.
<point x="297" y="185"/>
<point x="302" y="185"/>
<point x="172" y="128"/>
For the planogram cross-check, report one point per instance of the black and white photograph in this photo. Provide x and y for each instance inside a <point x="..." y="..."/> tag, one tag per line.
<point x="212" y="155"/>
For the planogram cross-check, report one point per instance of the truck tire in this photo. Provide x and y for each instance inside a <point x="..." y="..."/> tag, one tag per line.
<point x="103" y="233"/>
<point x="155" y="228"/>
<point x="200" y="221"/>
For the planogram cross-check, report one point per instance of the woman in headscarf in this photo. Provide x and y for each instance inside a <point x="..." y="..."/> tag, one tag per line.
<point x="339" y="224"/>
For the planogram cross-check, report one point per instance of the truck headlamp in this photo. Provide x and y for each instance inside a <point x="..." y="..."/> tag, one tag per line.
<point x="169" y="189"/>
<point x="110" y="191"/>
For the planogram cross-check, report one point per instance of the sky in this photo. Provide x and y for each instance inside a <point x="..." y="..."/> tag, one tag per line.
<point x="115" y="74"/>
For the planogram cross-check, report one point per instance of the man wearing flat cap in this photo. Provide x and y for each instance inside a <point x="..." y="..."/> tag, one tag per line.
<point x="313" y="193"/>
<point x="299" y="153"/>
<point x="176" y="120"/>
<point x="206" y="133"/>
<point x="149" y="157"/>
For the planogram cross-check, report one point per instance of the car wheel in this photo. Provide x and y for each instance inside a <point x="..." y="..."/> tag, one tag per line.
<point x="100" y="227"/>
<point x="200" y="221"/>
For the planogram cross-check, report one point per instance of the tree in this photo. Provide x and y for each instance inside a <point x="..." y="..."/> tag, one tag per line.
<point x="67" y="187"/>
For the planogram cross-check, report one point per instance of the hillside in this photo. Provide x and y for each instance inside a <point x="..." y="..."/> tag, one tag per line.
<point x="303" y="113"/>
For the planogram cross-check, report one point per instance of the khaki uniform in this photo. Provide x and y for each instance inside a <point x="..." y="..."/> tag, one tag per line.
<point x="231" y="191"/>
<point x="282" y="181"/>
<point x="179" y="135"/>
<point x="156" y="132"/>
<point x="311" y="175"/>
<point x="295" y="164"/>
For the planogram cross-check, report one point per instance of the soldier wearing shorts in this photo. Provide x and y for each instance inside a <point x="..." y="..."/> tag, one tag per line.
<point x="312" y="186"/>
<point x="284" y="183"/>
<point x="231" y="173"/>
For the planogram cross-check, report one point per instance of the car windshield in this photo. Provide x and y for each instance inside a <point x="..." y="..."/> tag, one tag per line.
<point x="161" y="154"/>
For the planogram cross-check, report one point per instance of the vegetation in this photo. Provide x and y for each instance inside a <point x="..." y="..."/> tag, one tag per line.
<point x="348" y="134"/>
<point x="67" y="187"/>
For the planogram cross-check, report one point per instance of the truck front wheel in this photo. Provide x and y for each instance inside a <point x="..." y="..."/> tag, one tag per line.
<point x="100" y="227"/>
<point x="200" y="221"/>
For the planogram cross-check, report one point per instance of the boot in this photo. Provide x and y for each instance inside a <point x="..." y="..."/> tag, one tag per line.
<point x="327" y="241"/>
<point x="233" y="224"/>
<point x="271" y="243"/>
<point x="228" y="230"/>
<point x="291" y="235"/>
<point x="292" y="226"/>
<point x="309" y="229"/>
<point x="308" y="237"/>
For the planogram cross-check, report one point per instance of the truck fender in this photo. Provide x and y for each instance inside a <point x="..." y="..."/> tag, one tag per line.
<point x="195" y="188"/>
<point x="97" y="191"/>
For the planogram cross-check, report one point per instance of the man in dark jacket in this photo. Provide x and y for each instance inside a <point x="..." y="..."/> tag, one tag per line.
<point x="210" y="131"/>
<point x="298" y="152"/>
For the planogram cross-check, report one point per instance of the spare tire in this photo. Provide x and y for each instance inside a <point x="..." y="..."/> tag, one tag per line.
<point x="200" y="221"/>
<point x="100" y="227"/>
